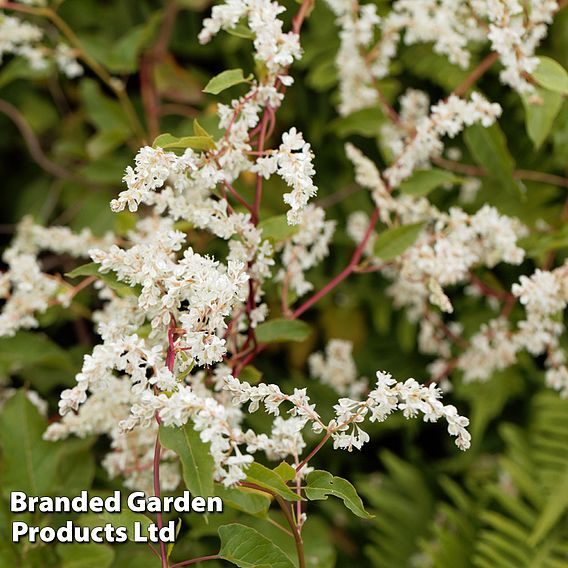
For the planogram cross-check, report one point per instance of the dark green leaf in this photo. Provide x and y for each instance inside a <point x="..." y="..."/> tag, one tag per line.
<point x="127" y="518"/>
<point x="277" y="228"/>
<point x="85" y="555"/>
<point x="124" y="54"/>
<point x="366" y="122"/>
<point x="320" y="484"/>
<point x="250" y="374"/>
<point x="225" y="80"/>
<point x="242" y="31"/>
<point x="29" y="463"/>
<point x="280" y="329"/>
<point x="541" y="113"/>
<point x="195" y="457"/>
<point x="244" y="499"/>
<point x="247" y="548"/>
<point x="488" y="146"/>
<point x="102" y="111"/>
<point x="555" y="508"/>
<point x="105" y="141"/>
<point x="109" y="278"/>
<point x="391" y="243"/>
<point x="264" y="477"/>
<point x="27" y="349"/>
<point x="423" y="182"/>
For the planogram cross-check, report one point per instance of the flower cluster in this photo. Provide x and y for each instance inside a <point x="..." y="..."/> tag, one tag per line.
<point x="357" y="24"/>
<point x="276" y="49"/>
<point x="28" y="290"/>
<point x="545" y="297"/>
<point x="388" y="396"/>
<point x="293" y="162"/>
<point x="337" y="368"/>
<point x="514" y="29"/>
<point x="171" y="318"/>
<point x="178" y="326"/>
<point x="305" y="249"/>
<point x="447" y="118"/>
<point x="23" y="39"/>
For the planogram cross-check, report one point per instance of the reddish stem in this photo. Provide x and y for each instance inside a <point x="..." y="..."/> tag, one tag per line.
<point x="150" y="98"/>
<point x="488" y="291"/>
<point x="345" y="272"/>
<point x="157" y="452"/>
<point x="196" y="560"/>
<point x="476" y="74"/>
<point x="259" y="177"/>
<point x="237" y="196"/>
<point x="313" y="452"/>
<point x="301" y="16"/>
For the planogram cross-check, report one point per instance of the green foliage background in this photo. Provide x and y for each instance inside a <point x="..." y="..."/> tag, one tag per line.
<point x="501" y="504"/>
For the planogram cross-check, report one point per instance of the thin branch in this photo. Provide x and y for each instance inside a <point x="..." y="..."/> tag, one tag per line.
<point x="237" y="195"/>
<point x="301" y="16"/>
<point x="476" y="74"/>
<point x="113" y="84"/>
<point x="196" y="560"/>
<point x="34" y="147"/>
<point x="313" y="452"/>
<point x="477" y="171"/>
<point x="259" y="177"/>
<point x="357" y="254"/>
<point x="157" y="451"/>
<point x="279" y="526"/>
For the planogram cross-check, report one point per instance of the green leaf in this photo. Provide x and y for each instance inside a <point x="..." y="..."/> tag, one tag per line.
<point x="285" y="471"/>
<point x="198" y="130"/>
<point x="124" y="54"/>
<point x="242" y="31"/>
<point x="20" y="68"/>
<point x="172" y="544"/>
<point x="556" y="506"/>
<point x="168" y="141"/>
<point x="551" y="75"/>
<point x="365" y="122"/>
<point x="225" y="80"/>
<point x="28" y="349"/>
<point x="247" y="548"/>
<point x="105" y="141"/>
<point x="323" y="75"/>
<point x="102" y="111"/>
<point x="244" y="499"/>
<point x="540" y="115"/>
<point x="85" y="555"/>
<point x="280" y="329"/>
<point x="250" y="374"/>
<point x="393" y="242"/>
<point x="267" y="478"/>
<point x="195" y="455"/>
<point x="29" y="463"/>
<point x="127" y="518"/>
<point x="277" y="229"/>
<point x="76" y="467"/>
<point x="423" y="182"/>
<point x="109" y="278"/>
<point x="421" y="60"/>
<point x="488" y="146"/>
<point x="320" y="484"/>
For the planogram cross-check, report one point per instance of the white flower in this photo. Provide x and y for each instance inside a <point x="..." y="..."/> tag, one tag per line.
<point x="337" y="368"/>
